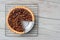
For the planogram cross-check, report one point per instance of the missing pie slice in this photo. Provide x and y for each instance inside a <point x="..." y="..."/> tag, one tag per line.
<point x="16" y="16"/>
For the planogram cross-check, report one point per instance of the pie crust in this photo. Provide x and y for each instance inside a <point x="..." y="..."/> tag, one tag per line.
<point x="9" y="14"/>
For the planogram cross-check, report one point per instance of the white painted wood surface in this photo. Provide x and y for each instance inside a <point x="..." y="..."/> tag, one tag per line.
<point x="49" y="23"/>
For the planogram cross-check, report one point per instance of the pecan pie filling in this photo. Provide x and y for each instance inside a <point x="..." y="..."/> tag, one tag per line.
<point x="16" y="17"/>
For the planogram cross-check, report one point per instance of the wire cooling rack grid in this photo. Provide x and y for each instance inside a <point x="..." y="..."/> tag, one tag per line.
<point x="34" y="31"/>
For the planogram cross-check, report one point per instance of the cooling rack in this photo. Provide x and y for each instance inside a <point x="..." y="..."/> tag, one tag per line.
<point x="34" y="31"/>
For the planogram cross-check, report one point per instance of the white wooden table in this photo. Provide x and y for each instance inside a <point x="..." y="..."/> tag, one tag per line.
<point x="49" y="20"/>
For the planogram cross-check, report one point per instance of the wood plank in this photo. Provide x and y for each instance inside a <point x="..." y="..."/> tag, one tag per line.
<point x="15" y="1"/>
<point x="2" y="8"/>
<point x="2" y="19"/>
<point x="50" y="10"/>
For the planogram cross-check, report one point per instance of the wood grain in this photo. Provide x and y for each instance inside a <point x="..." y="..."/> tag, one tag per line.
<point x="49" y="29"/>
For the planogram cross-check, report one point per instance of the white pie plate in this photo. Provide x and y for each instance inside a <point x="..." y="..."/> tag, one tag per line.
<point x="28" y="25"/>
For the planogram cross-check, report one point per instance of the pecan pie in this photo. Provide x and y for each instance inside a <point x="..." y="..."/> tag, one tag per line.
<point x="16" y="16"/>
